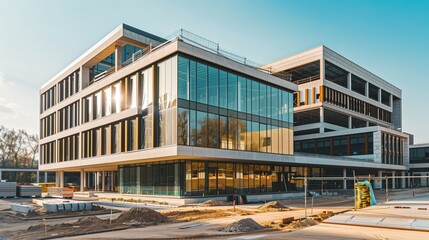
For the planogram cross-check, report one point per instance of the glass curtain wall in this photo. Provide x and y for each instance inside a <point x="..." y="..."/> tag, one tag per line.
<point x="219" y="108"/>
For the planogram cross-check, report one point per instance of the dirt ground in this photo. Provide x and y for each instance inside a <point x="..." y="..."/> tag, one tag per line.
<point x="204" y="221"/>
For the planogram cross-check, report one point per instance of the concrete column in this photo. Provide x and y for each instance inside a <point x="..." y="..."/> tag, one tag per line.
<point x="321" y="120"/>
<point x="82" y="180"/>
<point x="103" y="181"/>
<point x="367" y="89"/>
<point x="37" y="177"/>
<point x="96" y="181"/>
<point x="393" y="180"/>
<point x="61" y="179"/>
<point x="0" y="175"/>
<point x="349" y="81"/>
<point x="378" y="183"/>
<point x="46" y="177"/>
<point x="322" y="69"/>
<point x="350" y="122"/>
<point x="344" y="180"/>
<point x="57" y="179"/>
<point x="409" y="180"/>
<point x="118" y="58"/>
<point x="403" y="179"/>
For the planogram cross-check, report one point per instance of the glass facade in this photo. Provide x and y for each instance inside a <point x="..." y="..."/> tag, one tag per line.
<point x="357" y="144"/>
<point x="419" y="155"/>
<point x="220" y="109"/>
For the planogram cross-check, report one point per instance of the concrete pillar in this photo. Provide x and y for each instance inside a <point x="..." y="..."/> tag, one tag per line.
<point x="403" y="179"/>
<point x="57" y="179"/>
<point x="409" y="180"/>
<point x="37" y="177"/>
<point x="344" y="180"/>
<point x="61" y="179"/>
<point x="85" y="180"/>
<point x="378" y="183"/>
<point x="82" y="180"/>
<point x="349" y="81"/>
<point x="393" y="180"/>
<point x="322" y="69"/>
<point x="350" y="122"/>
<point x="46" y="177"/>
<point x="321" y="120"/>
<point x="367" y="89"/>
<point x="118" y="58"/>
<point x="103" y="182"/>
<point x="96" y="181"/>
<point x="0" y="175"/>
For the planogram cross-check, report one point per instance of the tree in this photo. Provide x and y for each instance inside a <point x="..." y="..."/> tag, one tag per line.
<point x="18" y="149"/>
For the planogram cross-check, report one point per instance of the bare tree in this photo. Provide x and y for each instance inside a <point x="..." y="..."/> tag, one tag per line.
<point x="18" y="149"/>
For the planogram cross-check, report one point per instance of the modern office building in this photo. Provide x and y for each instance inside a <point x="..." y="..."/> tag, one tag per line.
<point x="140" y="114"/>
<point x="181" y="117"/>
<point x="343" y="111"/>
<point x="419" y="164"/>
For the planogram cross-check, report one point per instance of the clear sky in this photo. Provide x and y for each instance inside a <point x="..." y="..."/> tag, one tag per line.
<point x="390" y="38"/>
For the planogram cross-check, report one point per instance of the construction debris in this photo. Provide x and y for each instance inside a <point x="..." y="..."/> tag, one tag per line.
<point x="211" y="203"/>
<point x="244" y="225"/>
<point x="141" y="216"/>
<point x="274" y="205"/>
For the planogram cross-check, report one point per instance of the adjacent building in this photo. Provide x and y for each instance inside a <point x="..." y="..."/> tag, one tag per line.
<point x="419" y="164"/>
<point x="343" y="111"/>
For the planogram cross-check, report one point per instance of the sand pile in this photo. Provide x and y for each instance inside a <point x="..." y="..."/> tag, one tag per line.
<point x="274" y="205"/>
<point x="141" y="216"/>
<point x="244" y="225"/>
<point x="298" y="224"/>
<point x="211" y="203"/>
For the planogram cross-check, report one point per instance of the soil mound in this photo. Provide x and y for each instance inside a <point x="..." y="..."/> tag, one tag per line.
<point x="38" y="227"/>
<point x="86" y="221"/>
<point x="298" y="224"/>
<point x="139" y="216"/>
<point x="244" y="225"/>
<point x="273" y="205"/>
<point x="32" y="214"/>
<point x="211" y="203"/>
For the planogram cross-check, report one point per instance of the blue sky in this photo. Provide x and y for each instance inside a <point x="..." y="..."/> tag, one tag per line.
<point x="389" y="38"/>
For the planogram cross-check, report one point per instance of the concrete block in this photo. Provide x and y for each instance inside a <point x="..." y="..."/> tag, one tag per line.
<point x="67" y="206"/>
<point x="50" y="207"/>
<point x="81" y="206"/>
<point x="75" y="207"/>
<point x="88" y="206"/>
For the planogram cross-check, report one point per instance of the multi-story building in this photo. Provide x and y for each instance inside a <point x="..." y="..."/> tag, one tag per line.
<point x="343" y="111"/>
<point x="141" y="114"/>
<point x="419" y="164"/>
<point x="145" y="115"/>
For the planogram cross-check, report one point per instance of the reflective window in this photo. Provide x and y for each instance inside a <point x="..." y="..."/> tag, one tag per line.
<point x="232" y="91"/>
<point x="213" y="86"/>
<point x="201" y="83"/>
<point x="223" y="100"/>
<point x="183" y="78"/>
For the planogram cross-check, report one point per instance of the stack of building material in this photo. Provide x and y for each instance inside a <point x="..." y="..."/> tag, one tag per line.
<point x="29" y="191"/>
<point x="7" y="189"/>
<point x="60" y="192"/>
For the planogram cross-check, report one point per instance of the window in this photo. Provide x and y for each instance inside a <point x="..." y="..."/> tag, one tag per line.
<point x="232" y="91"/>
<point x="213" y="86"/>
<point x="201" y="83"/>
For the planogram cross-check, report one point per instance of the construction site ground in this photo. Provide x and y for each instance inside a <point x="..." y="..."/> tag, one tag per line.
<point x="200" y="222"/>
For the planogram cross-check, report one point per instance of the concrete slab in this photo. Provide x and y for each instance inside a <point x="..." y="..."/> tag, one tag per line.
<point x="422" y="224"/>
